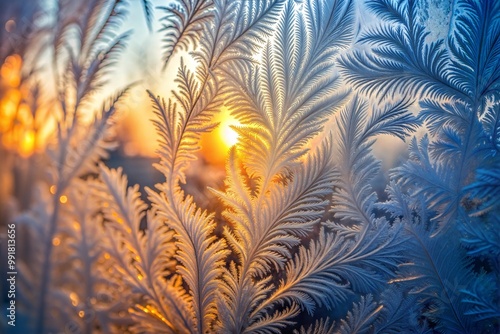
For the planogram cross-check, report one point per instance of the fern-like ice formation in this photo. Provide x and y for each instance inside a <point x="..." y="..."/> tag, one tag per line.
<point x="457" y="88"/>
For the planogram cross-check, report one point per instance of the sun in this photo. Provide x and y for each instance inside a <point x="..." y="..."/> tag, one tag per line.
<point x="228" y="135"/>
<point x="216" y="145"/>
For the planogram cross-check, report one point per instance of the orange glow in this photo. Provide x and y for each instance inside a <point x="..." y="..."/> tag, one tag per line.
<point x="27" y="145"/>
<point x="10" y="70"/>
<point x="63" y="199"/>
<point x="56" y="241"/>
<point x="138" y="132"/>
<point x="215" y="145"/>
<point x="74" y="298"/>
<point x="151" y="310"/>
<point x="16" y="118"/>
<point x="9" y="110"/>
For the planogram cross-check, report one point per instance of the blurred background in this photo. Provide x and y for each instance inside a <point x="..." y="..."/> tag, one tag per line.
<point x="28" y="105"/>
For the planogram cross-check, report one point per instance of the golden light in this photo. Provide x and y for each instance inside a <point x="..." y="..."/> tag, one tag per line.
<point x="215" y="145"/>
<point x="10" y="70"/>
<point x="229" y="136"/>
<point x="74" y="298"/>
<point x="63" y="199"/>
<point x="16" y="117"/>
<point x="27" y="145"/>
<point x="56" y="241"/>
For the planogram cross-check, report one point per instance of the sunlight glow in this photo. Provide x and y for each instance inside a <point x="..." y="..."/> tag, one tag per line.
<point x="229" y="136"/>
<point x="27" y="145"/>
<point x="216" y="144"/>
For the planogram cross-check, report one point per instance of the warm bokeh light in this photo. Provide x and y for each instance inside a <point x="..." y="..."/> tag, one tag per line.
<point x="10" y="25"/>
<point x="56" y="241"/>
<point x="74" y="298"/>
<point x="215" y="145"/>
<point x="10" y="70"/>
<point x="19" y="131"/>
<point x="27" y="144"/>
<point x="16" y="118"/>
